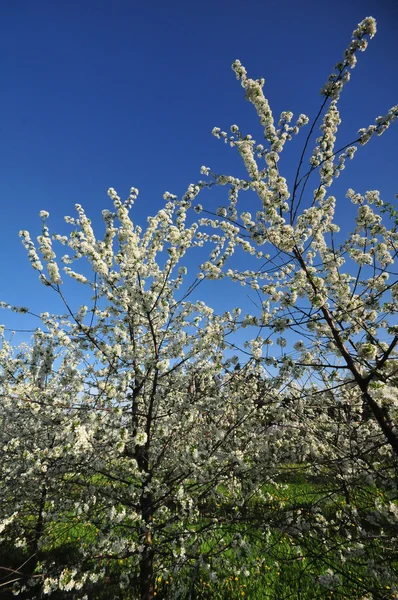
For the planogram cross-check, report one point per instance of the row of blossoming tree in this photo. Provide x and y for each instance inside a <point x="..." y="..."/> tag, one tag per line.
<point x="140" y="444"/>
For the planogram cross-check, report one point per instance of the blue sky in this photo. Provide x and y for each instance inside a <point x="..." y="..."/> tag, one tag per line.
<point x="99" y="93"/>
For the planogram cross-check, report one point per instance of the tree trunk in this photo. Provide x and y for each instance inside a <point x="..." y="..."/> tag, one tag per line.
<point x="34" y="559"/>
<point x="147" y="576"/>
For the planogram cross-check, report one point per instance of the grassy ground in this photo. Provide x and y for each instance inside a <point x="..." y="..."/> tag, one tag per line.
<point x="282" y="565"/>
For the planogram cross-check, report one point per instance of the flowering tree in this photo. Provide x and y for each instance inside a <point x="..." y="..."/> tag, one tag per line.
<point x="38" y="406"/>
<point x="339" y="295"/>
<point x="123" y="418"/>
<point x="331" y="295"/>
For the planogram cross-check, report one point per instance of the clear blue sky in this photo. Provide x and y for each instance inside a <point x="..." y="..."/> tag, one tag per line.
<point x="101" y="93"/>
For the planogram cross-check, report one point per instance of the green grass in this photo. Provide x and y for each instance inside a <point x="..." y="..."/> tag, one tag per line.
<point x="280" y="564"/>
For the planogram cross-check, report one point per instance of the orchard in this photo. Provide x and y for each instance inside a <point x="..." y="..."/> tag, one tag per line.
<point x="152" y="447"/>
